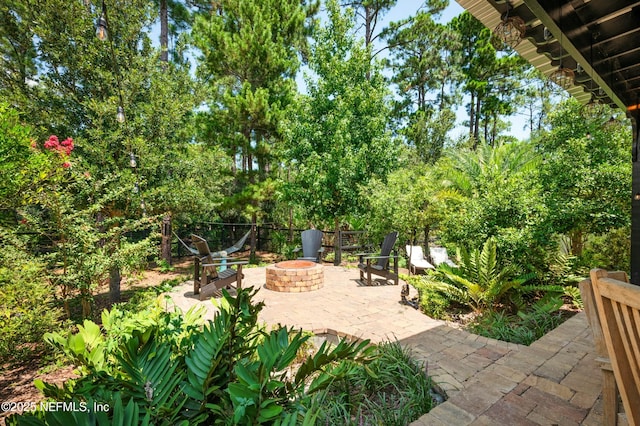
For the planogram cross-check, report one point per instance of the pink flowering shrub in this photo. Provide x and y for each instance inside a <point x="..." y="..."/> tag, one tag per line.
<point x="64" y="147"/>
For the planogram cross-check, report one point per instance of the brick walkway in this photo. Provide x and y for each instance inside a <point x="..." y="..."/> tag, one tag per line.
<point x="555" y="381"/>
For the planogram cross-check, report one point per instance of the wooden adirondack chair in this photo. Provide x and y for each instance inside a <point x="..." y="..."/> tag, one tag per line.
<point x="618" y="306"/>
<point x="209" y="277"/>
<point x="311" y="245"/>
<point x="382" y="263"/>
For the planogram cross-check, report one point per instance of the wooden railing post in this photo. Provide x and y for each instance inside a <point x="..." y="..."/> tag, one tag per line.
<point x="259" y="241"/>
<point x="166" y="239"/>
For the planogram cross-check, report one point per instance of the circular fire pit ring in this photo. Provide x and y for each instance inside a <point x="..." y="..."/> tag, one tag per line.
<point x="295" y="276"/>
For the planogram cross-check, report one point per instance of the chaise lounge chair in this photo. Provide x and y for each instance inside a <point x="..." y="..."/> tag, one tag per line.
<point x="417" y="262"/>
<point x="439" y="255"/>
<point x="382" y="263"/>
<point x="311" y="245"/>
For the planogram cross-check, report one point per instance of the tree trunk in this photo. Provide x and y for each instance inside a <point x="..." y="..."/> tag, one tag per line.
<point x="476" y="126"/>
<point x="368" y="17"/>
<point x="166" y="238"/>
<point x="427" y="229"/>
<point x="164" y="32"/>
<point x="337" y="259"/>
<point x="577" y="242"/>
<point x="531" y="124"/>
<point x="290" y="224"/>
<point x="494" y="129"/>
<point x="254" y="219"/>
<point x="85" y="301"/>
<point x="368" y="32"/>
<point x="472" y="116"/>
<point x="114" y="285"/>
<point x="486" y="131"/>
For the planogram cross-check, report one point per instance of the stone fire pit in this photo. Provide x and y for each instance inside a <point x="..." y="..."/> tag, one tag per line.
<point x="295" y="276"/>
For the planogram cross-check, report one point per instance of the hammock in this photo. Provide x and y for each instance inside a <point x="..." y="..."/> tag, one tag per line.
<point x="234" y="248"/>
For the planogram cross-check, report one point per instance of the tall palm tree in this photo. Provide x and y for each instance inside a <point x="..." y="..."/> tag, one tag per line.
<point x="470" y="171"/>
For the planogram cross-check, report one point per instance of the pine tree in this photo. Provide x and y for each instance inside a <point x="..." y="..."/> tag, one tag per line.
<point x="251" y="54"/>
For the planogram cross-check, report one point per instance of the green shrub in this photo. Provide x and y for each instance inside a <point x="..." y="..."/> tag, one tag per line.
<point x="479" y="281"/>
<point x="432" y="302"/>
<point x="143" y="298"/>
<point x="330" y="256"/>
<point x="162" y="368"/>
<point x="27" y="308"/>
<point x="524" y="328"/>
<point x="609" y="251"/>
<point x="395" y="390"/>
<point x="164" y="266"/>
<point x="574" y="294"/>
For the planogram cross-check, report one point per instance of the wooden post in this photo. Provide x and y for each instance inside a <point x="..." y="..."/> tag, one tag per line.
<point x="337" y="247"/>
<point x="114" y="285"/>
<point x="635" y="199"/>
<point x="196" y="275"/>
<point x="258" y="241"/>
<point x="166" y="239"/>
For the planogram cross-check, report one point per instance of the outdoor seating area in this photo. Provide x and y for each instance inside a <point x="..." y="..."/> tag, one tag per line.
<point x="469" y="223"/>
<point x="439" y="255"/>
<point x="486" y="381"/>
<point x="417" y="262"/>
<point x="604" y="336"/>
<point x="311" y="245"/>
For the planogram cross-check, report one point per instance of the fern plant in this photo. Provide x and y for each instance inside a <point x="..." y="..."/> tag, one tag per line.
<point x="479" y="281"/>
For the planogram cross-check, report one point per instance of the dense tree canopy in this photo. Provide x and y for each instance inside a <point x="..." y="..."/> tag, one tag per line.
<point x="425" y="66"/>
<point x="586" y="172"/>
<point x="491" y="80"/>
<point x="338" y="135"/>
<point x="251" y="54"/>
<point x="217" y="129"/>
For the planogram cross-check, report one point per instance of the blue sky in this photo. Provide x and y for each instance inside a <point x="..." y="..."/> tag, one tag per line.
<point x="406" y="8"/>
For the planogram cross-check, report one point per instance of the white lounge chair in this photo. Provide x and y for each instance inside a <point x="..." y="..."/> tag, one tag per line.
<point x="439" y="255"/>
<point x="417" y="262"/>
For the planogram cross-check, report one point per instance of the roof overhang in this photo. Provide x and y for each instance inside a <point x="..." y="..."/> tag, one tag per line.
<point x="602" y="36"/>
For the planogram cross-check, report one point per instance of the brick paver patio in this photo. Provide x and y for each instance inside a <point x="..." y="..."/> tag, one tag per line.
<point x="555" y="381"/>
